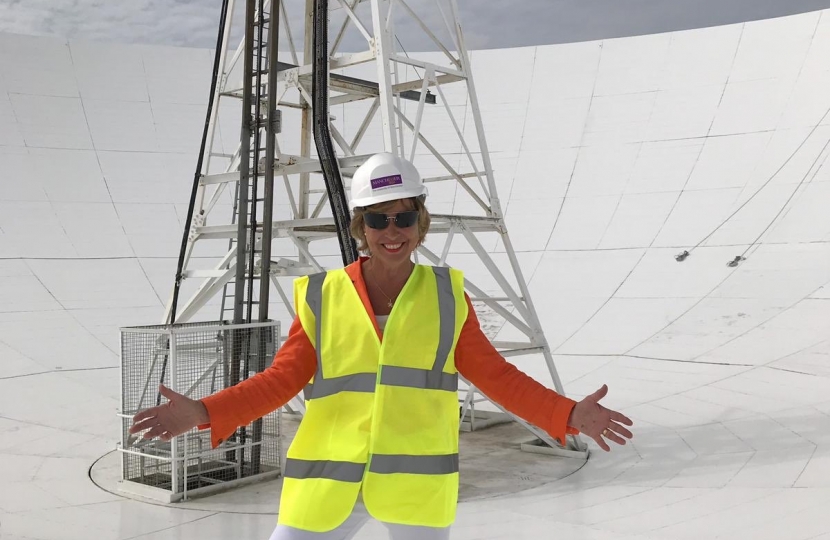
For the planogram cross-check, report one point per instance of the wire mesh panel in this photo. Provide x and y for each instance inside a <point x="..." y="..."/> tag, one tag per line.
<point x="196" y="360"/>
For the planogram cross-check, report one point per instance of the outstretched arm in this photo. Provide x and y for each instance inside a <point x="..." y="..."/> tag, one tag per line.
<point x="481" y="364"/>
<point x="239" y="405"/>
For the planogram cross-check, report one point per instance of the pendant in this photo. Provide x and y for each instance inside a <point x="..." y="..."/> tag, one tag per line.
<point x="389" y="304"/>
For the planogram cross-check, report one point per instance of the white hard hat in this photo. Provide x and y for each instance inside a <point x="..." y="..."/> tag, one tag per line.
<point x="385" y="177"/>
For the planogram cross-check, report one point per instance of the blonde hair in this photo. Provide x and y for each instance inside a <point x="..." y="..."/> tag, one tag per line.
<point x="358" y="222"/>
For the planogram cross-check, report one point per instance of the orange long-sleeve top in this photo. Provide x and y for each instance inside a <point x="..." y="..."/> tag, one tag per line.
<point x="475" y="358"/>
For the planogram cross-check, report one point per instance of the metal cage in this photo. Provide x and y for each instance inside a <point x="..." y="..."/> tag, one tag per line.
<point x="196" y="360"/>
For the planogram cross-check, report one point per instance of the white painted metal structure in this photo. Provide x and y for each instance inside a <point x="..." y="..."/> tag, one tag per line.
<point x="375" y="98"/>
<point x="611" y="157"/>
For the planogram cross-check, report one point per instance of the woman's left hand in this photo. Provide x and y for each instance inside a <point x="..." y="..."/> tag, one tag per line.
<point x="599" y="423"/>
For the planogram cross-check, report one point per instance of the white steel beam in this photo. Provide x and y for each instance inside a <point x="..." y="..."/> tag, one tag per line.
<point x="289" y="34"/>
<point x="423" y="65"/>
<point x="351" y="15"/>
<point x="461" y="139"/>
<point x="370" y="115"/>
<point x="383" y="50"/>
<point x="428" y="76"/>
<point x="342" y="32"/>
<point x="496" y="306"/>
<point x="495" y="204"/>
<point x="518" y="303"/>
<point x="429" y="33"/>
<point x="418" y="83"/>
<point x="446" y="164"/>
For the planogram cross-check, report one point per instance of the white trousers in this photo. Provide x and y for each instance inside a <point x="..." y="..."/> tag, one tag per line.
<point x="354" y="523"/>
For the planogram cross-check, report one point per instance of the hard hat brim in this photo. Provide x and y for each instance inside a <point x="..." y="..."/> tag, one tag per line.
<point x="386" y="197"/>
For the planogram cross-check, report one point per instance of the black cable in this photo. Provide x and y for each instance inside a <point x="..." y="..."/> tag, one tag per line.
<point x="770" y="179"/>
<point x="407" y="55"/>
<point x="217" y="58"/>
<point x="257" y="117"/>
<point x="790" y="198"/>
<point x="322" y="133"/>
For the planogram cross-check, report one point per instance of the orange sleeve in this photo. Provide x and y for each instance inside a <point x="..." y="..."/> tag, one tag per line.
<point x="502" y="382"/>
<point x="294" y="365"/>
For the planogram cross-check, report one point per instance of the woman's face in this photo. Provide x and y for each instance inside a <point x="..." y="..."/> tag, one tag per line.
<point x="393" y="245"/>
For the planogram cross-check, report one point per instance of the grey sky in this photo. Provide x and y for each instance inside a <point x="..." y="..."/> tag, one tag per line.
<point x="487" y="23"/>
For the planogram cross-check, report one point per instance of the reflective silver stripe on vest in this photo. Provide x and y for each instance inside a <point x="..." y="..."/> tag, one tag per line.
<point x="343" y="471"/>
<point x="391" y="464"/>
<point x="360" y="382"/>
<point x="435" y="378"/>
<point x="314" y="299"/>
<point x="446" y="311"/>
<point x="418" y="378"/>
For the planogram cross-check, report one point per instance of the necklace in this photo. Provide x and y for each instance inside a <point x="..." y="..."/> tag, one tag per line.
<point x="390" y="300"/>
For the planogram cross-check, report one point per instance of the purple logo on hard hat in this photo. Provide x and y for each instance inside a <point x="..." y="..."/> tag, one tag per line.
<point x="387" y="181"/>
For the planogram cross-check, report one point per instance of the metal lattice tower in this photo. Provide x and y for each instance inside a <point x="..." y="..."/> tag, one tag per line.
<point x="409" y="105"/>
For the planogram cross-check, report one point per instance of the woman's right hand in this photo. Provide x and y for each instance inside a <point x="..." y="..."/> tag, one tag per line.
<point x="179" y="415"/>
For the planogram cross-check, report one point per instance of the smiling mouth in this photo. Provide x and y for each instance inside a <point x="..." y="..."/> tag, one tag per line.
<point x="392" y="247"/>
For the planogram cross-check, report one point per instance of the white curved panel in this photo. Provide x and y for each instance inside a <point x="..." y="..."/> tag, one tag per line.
<point x="95" y="230"/>
<point x="10" y="135"/>
<point x="752" y="106"/>
<point x="664" y="166"/>
<point x="121" y="125"/>
<point x="51" y="122"/>
<point x="36" y="66"/>
<point x="759" y="57"/>
<point x="84" y="284"/>
<point x="632" y="66"/>
<point x="18" y="181"/>
<point x="115" y="72"/>
<point x="701" y="58"/>
<point x="637" y="220"/>
<point x="177" y="75"/>
<point x="683" y="113"/>
<point x="148" y="177"/>
<point x="67" y="175"/>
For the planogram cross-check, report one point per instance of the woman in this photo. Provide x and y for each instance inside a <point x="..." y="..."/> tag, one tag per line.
<point x="377" y="348"/>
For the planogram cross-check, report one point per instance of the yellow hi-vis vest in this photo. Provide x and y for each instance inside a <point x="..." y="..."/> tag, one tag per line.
<point x="383" y="416"/>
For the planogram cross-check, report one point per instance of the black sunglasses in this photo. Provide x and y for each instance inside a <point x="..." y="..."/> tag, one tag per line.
<point x="381" y="221"/>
